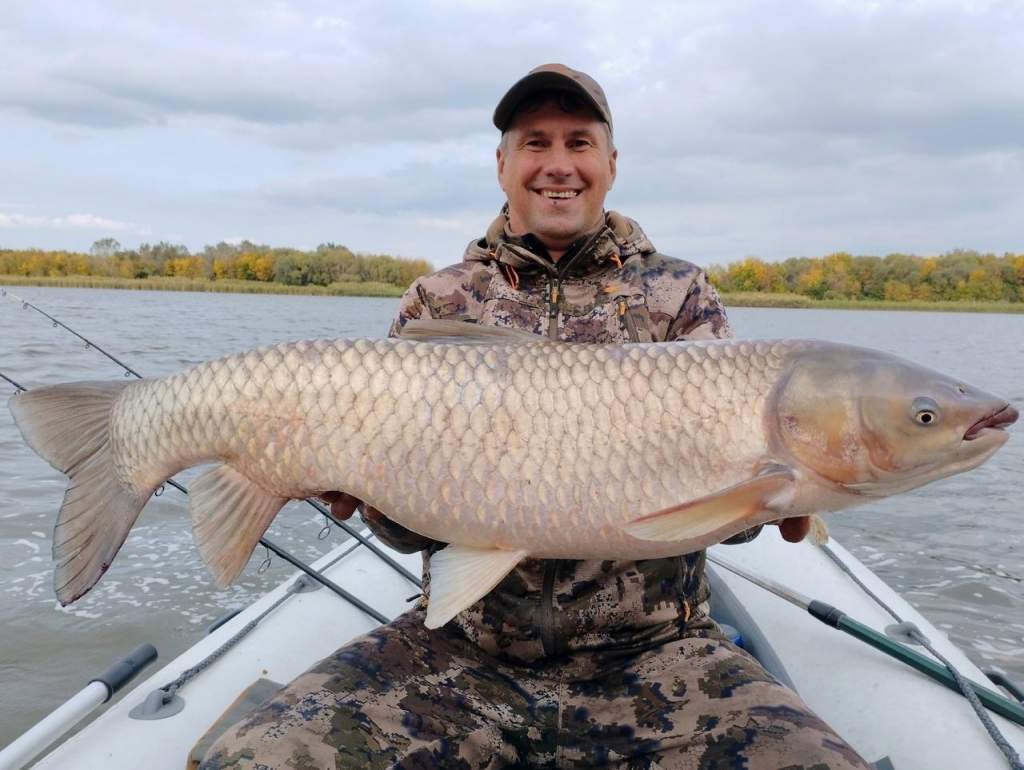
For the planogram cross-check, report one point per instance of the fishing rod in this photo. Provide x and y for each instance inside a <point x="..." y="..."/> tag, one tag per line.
<point x="26" y="305"/>
<point x="325" y="512"/>
<point x="945" y="675"/>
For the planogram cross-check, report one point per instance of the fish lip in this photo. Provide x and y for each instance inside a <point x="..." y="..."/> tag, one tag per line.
<point x="999" y="419"/>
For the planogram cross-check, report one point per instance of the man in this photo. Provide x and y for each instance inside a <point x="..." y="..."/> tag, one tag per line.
<point x="565" y="663"/>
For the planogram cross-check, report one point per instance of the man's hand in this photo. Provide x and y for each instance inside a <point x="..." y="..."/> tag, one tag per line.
<point x="343" y="505"/>
<point x="795" y="529"/>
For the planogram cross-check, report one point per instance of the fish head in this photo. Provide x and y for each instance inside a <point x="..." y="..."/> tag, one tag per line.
<point x="877" y="425"/>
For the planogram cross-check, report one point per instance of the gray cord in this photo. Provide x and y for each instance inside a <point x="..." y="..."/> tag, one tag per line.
<point x="191" y="673"/>
<point x="968" y="692"/>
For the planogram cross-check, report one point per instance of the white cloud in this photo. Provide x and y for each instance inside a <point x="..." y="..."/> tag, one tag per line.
<point x="76" y="221"/>
<point x="743" y="127"/>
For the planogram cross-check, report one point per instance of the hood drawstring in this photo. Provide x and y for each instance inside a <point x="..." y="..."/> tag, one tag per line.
<point x="511" y="275"/>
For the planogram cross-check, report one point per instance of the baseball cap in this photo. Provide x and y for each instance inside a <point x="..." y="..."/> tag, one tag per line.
<point x="552" y="77"/>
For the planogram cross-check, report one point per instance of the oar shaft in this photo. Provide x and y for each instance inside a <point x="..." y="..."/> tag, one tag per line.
<point x="991" y="699"/>
<point x="836" y="618"/>
<point x="25" y="748"/>
<point x="76" y="708"/>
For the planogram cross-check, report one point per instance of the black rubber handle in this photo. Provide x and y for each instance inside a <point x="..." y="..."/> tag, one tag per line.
<point x="122" y="672"/>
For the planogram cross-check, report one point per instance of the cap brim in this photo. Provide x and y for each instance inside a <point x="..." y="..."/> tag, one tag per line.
<point x="540" y="81"/>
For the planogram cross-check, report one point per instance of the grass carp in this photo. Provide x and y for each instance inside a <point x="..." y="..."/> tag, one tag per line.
<point x="504" y="444"/>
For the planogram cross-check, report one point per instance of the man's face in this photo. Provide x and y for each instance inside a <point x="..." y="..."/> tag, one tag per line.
<point x="556" y="169"/>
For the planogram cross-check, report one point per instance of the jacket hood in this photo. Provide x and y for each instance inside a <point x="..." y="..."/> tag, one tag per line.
<point x="617" y="239"/>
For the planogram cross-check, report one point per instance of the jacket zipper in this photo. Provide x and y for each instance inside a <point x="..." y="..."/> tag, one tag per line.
<point x="554" y="286"/>
<point x="629" y="321"/>
<point x="547" y="607"/>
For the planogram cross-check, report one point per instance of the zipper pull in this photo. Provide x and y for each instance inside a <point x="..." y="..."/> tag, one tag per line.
<point x="553" y="286"/>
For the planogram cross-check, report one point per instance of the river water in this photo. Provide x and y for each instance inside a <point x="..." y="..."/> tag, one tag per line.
<point x="953" y="548"/>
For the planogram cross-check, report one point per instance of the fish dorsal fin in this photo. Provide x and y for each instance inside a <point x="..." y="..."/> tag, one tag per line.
<point x="715" y="517"/>
<point x="460" y="575"/>
<point x="230" y="513"/>
<point x="464" y="333"/>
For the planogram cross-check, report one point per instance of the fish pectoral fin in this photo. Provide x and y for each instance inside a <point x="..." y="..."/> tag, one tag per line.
<point x="460" y="575"/>
<point x="716" y="517"/>
<point x="230" y="513"/>
<point x="464" y="333"/>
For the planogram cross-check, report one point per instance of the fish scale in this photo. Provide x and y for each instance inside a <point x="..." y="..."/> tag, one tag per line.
<point x="464" y="416"/>
<point x="504" y="445"/>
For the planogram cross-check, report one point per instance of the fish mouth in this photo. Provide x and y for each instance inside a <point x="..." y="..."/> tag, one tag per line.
<point x="999" y="419"/>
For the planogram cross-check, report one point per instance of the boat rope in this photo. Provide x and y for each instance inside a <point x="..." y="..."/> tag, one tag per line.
<point x="172" y="687"/>
<point x="915" y="634"/>
<point x="351" y="531"/>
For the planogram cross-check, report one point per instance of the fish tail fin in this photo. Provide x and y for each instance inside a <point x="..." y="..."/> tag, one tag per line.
<point x="68" y="425"/>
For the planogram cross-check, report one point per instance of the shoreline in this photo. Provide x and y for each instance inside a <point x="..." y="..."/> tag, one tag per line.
<point x="223" y="286"/>
<point x="800" y="302"/>
<point x="369" y="289"/>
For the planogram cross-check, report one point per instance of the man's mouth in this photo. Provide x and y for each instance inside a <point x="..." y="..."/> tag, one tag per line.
<point x="997" y="420"/>
<point x="559" y="194"/>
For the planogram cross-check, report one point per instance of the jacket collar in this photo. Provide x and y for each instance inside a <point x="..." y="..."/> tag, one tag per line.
<point x="616" y="240"/>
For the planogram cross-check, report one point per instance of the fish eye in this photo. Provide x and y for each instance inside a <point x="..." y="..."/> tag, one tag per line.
<point x="925" y="411"/>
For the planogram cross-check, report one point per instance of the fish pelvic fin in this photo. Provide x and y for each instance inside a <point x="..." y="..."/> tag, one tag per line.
<point x="714" y="518"/>
<point x="464" y="333"/>
<point x="230" y="513"/>
<point x="68" y="425"/>
<point x="461" y="575"/>
<point x="819" y="530"/>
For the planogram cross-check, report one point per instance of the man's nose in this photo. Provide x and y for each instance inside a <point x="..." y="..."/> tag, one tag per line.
<point x="559" y="163"/>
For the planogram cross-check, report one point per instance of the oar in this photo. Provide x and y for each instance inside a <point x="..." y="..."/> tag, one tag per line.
<point x="836" y="618"/>
<point x="75" y="709"/>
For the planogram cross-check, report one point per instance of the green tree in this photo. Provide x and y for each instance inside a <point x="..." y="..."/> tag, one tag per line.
<point x="105" y="247"/>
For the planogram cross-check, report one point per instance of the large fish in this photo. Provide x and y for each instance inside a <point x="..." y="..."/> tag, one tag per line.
<point x="504" y="444"/>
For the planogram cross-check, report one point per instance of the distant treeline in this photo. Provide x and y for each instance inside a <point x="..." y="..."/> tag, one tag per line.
<point x="957" y="275"/>
<point x="328" y="264"/>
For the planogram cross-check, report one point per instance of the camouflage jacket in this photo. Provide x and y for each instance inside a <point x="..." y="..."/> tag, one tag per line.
<point x="610" y="286"/>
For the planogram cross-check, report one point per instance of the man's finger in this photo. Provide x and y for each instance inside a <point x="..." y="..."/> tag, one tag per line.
<point x="343" y="505"/>
<point x="795" y="529"/>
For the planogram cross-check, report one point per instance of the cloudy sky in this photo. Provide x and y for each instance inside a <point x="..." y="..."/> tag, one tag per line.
<point x="744" y="128"/>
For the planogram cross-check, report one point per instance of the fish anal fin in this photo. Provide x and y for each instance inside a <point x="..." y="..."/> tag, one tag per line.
<point x="464" y="333"/>
<point x="460" y="575"/>
<point x="720" y="515"/>
<point x="230" y="513"/>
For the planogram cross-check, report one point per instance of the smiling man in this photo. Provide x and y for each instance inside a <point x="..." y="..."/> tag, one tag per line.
<point x="565" y="663"/>
<point x="556" y="163"/>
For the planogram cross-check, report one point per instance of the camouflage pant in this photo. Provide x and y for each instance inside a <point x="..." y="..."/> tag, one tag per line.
<point x="406" y="697"/>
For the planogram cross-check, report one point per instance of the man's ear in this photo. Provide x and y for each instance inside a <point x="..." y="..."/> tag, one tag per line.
<point x="500" y="157"/>
<point x="611" y="162"/>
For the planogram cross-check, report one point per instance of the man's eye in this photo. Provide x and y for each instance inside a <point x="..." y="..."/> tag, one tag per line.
<point x="580" y="144"/>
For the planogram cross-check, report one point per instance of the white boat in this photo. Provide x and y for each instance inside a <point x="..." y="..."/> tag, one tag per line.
<point x="893" y="715"/>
